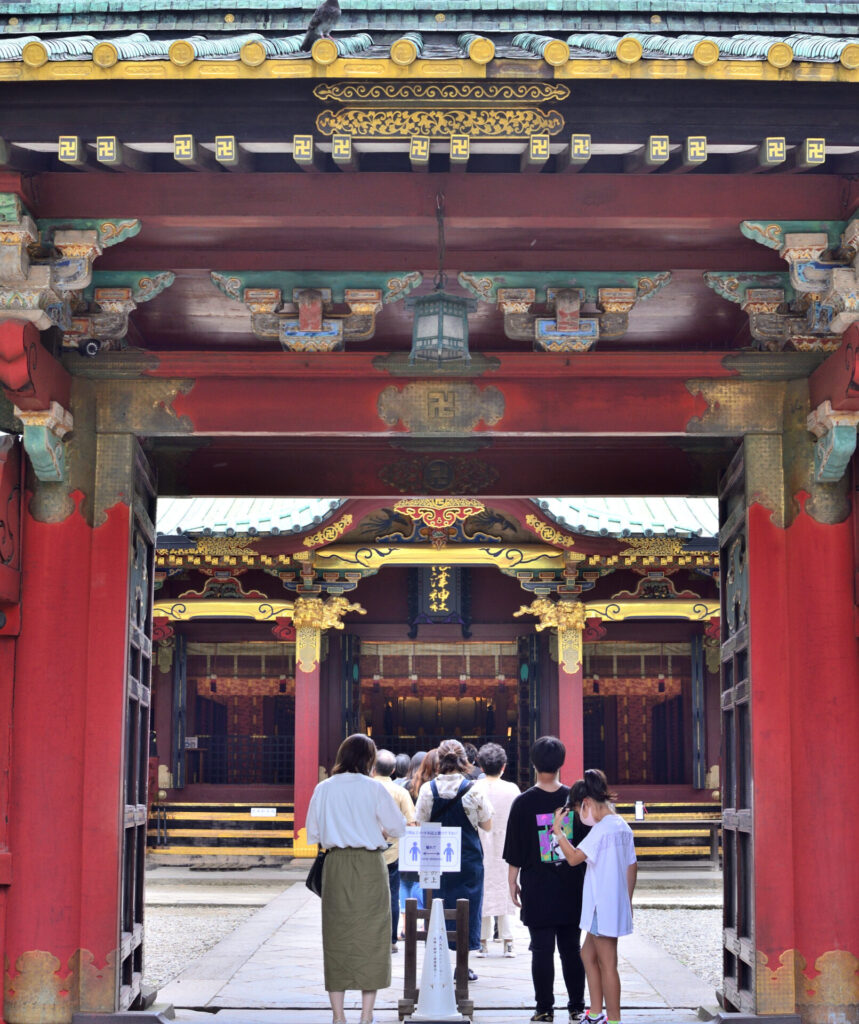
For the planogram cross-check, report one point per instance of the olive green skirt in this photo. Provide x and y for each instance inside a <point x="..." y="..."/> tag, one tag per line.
<point x="356" y="920"/>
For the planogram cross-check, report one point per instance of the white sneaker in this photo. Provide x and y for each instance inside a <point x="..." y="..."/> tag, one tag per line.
<point x="508" y="947"/>
<point x="483" y="951"/>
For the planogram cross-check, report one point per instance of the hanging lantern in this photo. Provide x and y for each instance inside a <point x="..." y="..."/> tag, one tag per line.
<point x="440" y="331"/>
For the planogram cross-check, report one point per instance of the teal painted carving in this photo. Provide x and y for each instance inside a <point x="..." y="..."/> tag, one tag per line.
<point x="484" y="285"/>
<point x="12" y="209"/>
<point x="101" y="320"/>
<point x="312" y="294"/>
<point x="43" y="440"/>
<point x="836" y="441"/>
<point x="772" y="233"/>
<point x="108" y="232"/>
<point x="614" y="296"/>
<point x="734" y="286"/>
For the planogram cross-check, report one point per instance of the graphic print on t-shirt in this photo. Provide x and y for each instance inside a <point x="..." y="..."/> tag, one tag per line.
<point x="550" y="851"/>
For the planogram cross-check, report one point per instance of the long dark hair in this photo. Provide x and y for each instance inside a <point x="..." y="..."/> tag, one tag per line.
<point x="593" y="785"/>
<point x="428" y="770"/>
<point x="357" y="754"/>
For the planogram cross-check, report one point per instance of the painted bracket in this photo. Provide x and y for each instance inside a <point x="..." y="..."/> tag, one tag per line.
<point x="613" y="295"/>
<point x="102" y="320"/>
<point x="44" y="431"/>
<point x="43" y="263"/>
<point x="306" y="322"/>
<point x="779" y="317"/>
<point x="823" y="272"/>
<point x="836" y="441"/>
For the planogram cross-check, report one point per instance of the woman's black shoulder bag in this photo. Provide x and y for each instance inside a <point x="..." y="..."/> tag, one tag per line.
<point x="314" y="875"/>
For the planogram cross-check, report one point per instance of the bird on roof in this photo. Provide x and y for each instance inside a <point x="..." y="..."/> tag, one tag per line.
<point x="325" y="17"/>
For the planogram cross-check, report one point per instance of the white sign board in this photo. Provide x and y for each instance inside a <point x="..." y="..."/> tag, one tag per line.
<point x="263" y="812"/>
<point x="431" y="848"/>
<point x="430" y="855"/>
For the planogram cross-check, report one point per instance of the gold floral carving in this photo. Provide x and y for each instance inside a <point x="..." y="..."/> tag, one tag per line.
<point x="569" y="618"/>
<point x="550" y="534"/>
<point x="222" y="546"/>
<point x="833" y="992"/>
<point x="649" y="547"/>
<point x="399" y="123"/>
<point x="404" y="93"/>
<point x="439" y="512"/>
<point x="328" y="534"/>
<point x="310" y="616"/>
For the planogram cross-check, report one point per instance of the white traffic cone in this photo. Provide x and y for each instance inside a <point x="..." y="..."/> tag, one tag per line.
<point x="437" y="999"/>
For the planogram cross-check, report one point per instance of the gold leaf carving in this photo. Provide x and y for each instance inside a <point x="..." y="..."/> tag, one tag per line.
<point x="430" y="407"/>
<point x="328" y="533"/>
<point x="441" y="93"/>
<point x="555" y="614"/>
<point x="392" y="123"/>
<point x="550" y="534"/>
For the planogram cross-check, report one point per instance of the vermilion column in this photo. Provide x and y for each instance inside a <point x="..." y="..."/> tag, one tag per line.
<point x="805" y="724"/>
<point x="308" y="643"/>
<point x="570" y="700"/>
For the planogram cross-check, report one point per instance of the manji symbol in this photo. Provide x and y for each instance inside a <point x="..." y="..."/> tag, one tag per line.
<point x="657" y="149"/>
<point x="538" y="148"/>
<point x="107" y="149"/>
<point x="775" y="150"/>
<point x="696" y="149"/>
<point x="419" y="149"/>
<point x="226" y="151"/>
<point x="69" y="149"/>
<point x="580" y="147"/>
<point x="183" y="147"/>
<point x="460" y="148"/>
<point x="815" y="151"/>
<point x="302" y="149"/>
<point x="441" y="405"/>
<point x="341" y="147"/>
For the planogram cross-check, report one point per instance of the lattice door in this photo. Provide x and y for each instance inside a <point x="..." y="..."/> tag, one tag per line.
<point x="351" y="683"/>
<point x="137" y="696"/>
<point x="737" y="817"/>
<point x="528" y="721"/>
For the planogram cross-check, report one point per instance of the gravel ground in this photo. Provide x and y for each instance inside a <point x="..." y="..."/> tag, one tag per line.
<point x="177" y="935"/>
<point x="694" y="937"/>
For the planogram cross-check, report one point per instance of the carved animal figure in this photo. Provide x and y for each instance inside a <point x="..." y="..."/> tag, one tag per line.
<point x="325" y="17"/>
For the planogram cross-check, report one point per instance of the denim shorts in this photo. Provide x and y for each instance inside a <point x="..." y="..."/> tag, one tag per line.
<point x="594" y="928"/>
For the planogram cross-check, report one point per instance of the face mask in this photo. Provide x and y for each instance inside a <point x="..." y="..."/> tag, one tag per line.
<point x="587" y="817"/>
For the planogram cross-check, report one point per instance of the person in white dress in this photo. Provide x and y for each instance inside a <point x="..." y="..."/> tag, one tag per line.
<point x="609" y="850"/>
<point x="497" y="903"/>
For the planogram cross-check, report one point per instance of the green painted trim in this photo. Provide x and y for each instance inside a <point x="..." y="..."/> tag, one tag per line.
<point x="733" y="285"/>
<point x="12" y="209"/>
<point x="110" y="232"/>
<point x="484" y="285"/>
<point x="771" y="233"/>
<point x="393" y="284"/>
<point x="144" y="284"/>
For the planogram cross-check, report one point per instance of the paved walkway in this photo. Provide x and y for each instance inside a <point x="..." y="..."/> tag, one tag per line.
<point x="269" y="971"/>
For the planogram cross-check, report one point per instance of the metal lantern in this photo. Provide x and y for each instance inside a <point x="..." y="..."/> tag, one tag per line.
<point x="440" y="331"/>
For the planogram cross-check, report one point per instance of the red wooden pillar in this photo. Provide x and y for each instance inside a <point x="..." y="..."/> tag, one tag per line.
<point x="804" y="723"/>
<point x="308" y="643"/>
<point x="571" y="720"/>
<point x="67" y="799"/>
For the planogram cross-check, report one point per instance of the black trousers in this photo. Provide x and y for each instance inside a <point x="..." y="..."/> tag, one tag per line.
<point x="543" y="942"/>
<point x="394" y="882"/>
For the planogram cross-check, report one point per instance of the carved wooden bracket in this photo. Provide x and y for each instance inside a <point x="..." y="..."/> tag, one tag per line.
<point x="44" y="431"/>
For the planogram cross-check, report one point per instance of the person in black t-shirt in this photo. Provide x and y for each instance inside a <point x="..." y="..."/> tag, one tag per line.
<point x="547" y="889"/>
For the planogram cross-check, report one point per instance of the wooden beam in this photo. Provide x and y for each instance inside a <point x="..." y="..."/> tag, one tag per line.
<point x="769" y="155"/>
<point x="419" y="152"/>
<point x="73" y="152"/>
<point x="809" y="155"/>
<point x="649" y="157"/>
<point x="17" y="158"/>
<point x="343" y="153"/>
<point x="116" y="156"/>
<point x="691" y="157"/>
<point x="230" y="155"/>
<point x="536" y="154"/>
<point x="575" y="155"/>
<point x="306" y="155"/>
<point x="188" y="153"/>
<point x="460" y="151"/>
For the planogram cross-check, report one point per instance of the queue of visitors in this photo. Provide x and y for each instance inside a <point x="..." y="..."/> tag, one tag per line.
<point x="563" y="856"/>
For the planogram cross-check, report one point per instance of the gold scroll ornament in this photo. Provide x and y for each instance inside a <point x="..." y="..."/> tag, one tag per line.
<point x="310" y="616"/>
<point x="569" y="618"/>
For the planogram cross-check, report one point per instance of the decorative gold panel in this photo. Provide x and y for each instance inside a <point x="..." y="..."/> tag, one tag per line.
<point x="441" y="93"/>
<point x="429" y="407"/>
<point x="395" y="123"/>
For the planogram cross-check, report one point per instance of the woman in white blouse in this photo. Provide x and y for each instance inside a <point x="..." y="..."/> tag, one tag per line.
<point x="351" y="816"/>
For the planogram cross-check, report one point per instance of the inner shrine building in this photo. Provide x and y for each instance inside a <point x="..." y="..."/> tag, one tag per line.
<point x="481" y="371"/>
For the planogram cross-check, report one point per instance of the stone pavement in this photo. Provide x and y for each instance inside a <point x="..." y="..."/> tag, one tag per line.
<point x="269" y="971"/>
